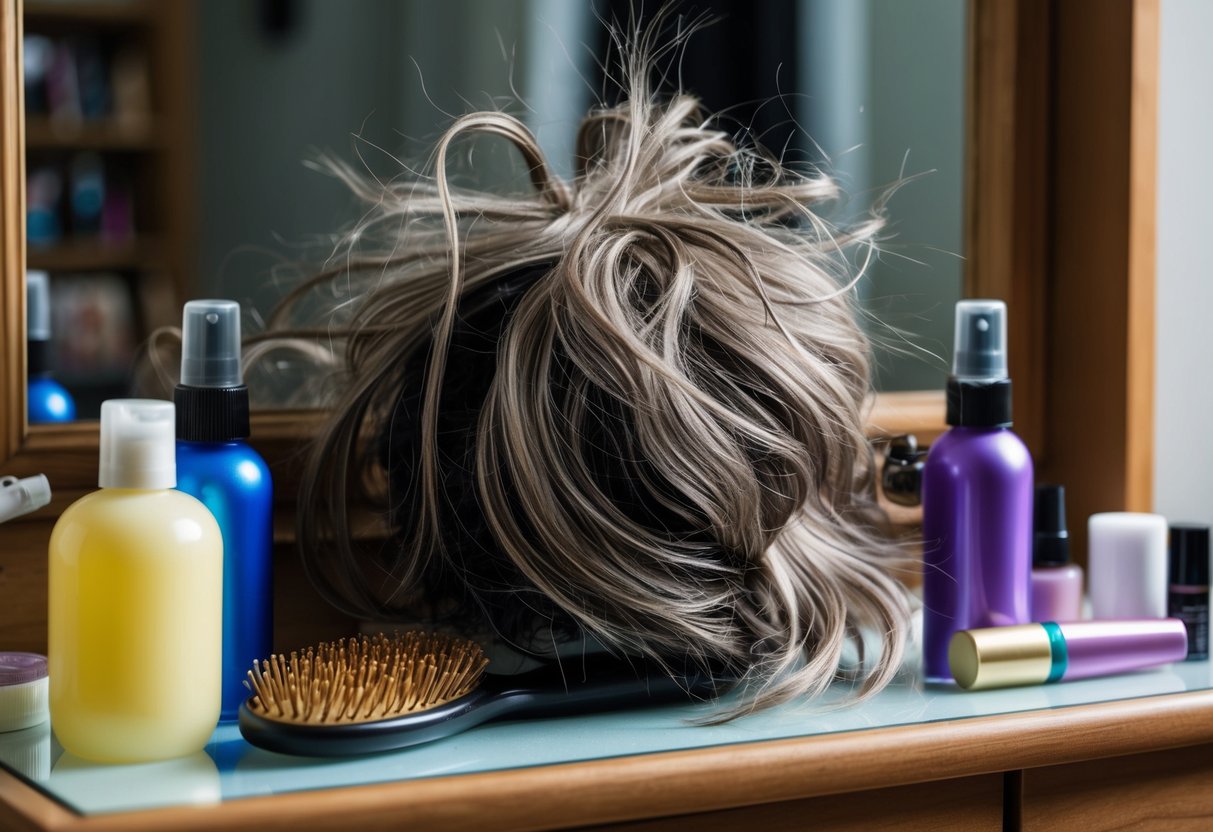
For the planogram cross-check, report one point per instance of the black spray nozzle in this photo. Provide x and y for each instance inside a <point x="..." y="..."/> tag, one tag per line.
<point x="1050" y="538"/>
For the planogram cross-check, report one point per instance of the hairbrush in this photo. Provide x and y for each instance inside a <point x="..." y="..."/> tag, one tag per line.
<point x="367" y="695"/>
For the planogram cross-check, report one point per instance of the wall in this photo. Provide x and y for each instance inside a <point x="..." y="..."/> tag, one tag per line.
<point x="1183" y="430"/>
<point x="369" y="83"/>
<point x="257" y="202"/>
<point x="884" y="83"/>
<point x="885" y="96"/>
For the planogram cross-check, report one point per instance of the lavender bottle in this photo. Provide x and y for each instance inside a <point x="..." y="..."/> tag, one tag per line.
<point x="976" y="496"/>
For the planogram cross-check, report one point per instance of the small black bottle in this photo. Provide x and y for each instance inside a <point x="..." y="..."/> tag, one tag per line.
<point x="1188" y="595"/>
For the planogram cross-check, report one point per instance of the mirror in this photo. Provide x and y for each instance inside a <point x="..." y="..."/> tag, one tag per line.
<point x="167" y="144"/>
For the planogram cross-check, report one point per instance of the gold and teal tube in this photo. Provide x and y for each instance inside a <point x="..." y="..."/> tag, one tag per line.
<point x="1036" y="654"/>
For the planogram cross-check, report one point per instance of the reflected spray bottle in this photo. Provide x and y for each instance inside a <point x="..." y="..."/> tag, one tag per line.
<point x="49" y="400"/>
<point x="216" y="465"/>
<point x="977" y="494"/>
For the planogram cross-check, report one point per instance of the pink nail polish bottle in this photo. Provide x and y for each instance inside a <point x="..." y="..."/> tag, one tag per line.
<point x="1056" y="583"/>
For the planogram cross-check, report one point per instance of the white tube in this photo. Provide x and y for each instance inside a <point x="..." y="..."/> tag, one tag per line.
<point x="18" y="497"/>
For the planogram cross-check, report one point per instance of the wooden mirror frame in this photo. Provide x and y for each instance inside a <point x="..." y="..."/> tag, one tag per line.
<point x="1060" y="223"/>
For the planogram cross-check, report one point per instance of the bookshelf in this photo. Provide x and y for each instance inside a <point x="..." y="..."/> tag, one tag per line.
<point x="139" y="254"/>
<point x="64" y="14"/>
<point x="109" y="155"/>
<point x="42" y="134"/>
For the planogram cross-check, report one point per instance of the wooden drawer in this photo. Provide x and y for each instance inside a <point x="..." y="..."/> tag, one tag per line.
<point x="968" y="804"/>
<point x="1163" y="790"/>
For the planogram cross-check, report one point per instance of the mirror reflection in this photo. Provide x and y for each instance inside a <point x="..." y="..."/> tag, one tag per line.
<point x="171" y="147"/>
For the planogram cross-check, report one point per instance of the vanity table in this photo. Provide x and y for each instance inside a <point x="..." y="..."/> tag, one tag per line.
<point x="1132" y="751"/>
<point x="1060" y="196"/>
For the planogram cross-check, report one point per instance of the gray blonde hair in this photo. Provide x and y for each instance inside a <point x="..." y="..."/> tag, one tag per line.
<point x="692" y="310"/>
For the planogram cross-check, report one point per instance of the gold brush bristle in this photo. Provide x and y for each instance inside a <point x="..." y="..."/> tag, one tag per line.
<point x="365" y="679"/>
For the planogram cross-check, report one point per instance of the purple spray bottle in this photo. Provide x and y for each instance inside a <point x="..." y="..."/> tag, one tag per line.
<point x="977" y="488"/>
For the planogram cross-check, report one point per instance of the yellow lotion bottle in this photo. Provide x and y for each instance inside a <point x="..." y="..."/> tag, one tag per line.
<point x="136" y="602"/>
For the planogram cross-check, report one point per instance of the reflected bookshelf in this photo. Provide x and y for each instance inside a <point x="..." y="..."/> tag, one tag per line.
<point x="108" y="181"/>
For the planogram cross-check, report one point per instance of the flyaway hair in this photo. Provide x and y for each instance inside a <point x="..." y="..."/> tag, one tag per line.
<point x="627" y="408"/>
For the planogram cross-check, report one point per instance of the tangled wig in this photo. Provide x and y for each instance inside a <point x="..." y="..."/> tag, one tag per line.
<point x="627" y="408"/>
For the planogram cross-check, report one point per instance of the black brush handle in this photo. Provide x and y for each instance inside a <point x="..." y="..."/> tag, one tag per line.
<point x="587" y="684"/>
<point x="595" y="683"/>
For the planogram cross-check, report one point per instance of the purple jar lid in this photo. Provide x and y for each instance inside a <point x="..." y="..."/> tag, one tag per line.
<point x="20" y="668"/>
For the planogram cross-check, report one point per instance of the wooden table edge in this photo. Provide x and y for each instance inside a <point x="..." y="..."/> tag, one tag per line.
<point x="684" y="781"/>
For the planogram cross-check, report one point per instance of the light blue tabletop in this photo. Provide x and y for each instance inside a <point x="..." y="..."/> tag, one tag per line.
<point x="231" y="769"/>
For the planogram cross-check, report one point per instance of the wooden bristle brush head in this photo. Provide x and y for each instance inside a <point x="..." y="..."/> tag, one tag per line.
<point x="365" y="679"/>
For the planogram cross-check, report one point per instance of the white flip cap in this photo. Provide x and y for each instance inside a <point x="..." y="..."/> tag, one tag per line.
<point x="138" y="444"/>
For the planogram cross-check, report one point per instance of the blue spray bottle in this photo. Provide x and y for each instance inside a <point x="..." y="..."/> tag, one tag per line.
<point x="216" y="465"/>
<point x="49" y="400"/>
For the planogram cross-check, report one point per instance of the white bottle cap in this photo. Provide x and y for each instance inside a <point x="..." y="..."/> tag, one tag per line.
<point x="138" y="444"/>
<point x="1127" y="565"/>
